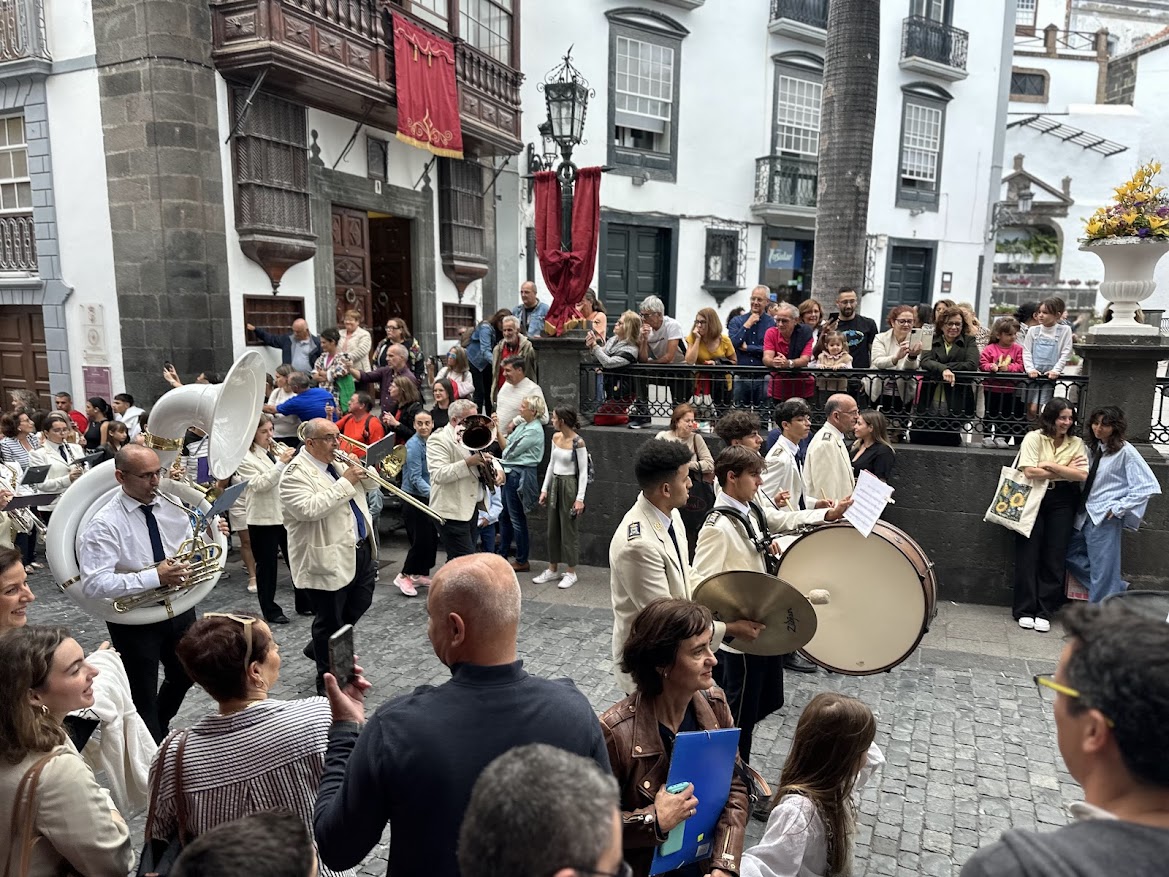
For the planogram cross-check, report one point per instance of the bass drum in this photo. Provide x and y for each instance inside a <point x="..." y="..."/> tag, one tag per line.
<point x="873" y="618"/>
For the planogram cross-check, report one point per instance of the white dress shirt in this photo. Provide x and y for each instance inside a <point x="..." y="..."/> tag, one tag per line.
<point x="114" y="549"/>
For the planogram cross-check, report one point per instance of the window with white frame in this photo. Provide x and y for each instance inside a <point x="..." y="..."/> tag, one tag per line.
<point x="487" y="25"/>
<point x="921" y="151"/>
<point x="15" y="185"/>
<point x="643" y="94"/>
<point x="431" y="11"/>
<point x="1025" y="13"/>
<point x="934" y="10"/>
<point x="797" y="115"/>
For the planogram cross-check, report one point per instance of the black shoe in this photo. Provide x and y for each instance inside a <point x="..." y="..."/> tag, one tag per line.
<point x="278" y="619"/>
<point x="309" y="652"/>
<point x="798" y="663"/>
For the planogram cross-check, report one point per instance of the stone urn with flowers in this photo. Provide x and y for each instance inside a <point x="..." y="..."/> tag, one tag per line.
<point x="1130" y="236"/>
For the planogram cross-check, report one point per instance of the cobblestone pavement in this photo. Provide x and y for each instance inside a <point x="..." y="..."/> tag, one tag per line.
<point x="970" y="745"/>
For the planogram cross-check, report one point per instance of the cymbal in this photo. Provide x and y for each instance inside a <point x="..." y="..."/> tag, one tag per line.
<point x="747" y="594"/>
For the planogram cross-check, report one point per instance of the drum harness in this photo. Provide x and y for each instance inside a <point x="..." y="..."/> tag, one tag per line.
<point x="761" y="540"/>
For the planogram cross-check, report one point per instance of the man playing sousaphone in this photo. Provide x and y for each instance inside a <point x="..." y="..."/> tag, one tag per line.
<point x="128" y="547"/>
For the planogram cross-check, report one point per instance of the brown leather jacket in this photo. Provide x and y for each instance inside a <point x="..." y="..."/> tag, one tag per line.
<point x="640" y="764"/>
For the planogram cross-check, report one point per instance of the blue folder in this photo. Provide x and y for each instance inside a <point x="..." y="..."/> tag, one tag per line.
<point x="706" y="759"/>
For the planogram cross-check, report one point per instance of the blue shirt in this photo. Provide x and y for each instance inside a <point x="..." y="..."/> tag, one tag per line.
<point x="753" y="355"/>
<point x="480" y="347"/>
<point x="416" y="474"/>
<point x="535" y="320"/>
<point x="307" y="405"/>
<point x="1124" y="483"/>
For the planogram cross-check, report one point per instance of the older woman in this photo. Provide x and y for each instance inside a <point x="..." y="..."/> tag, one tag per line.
<point x="458" y="371"/>
<point x="333" y="368"/>
<point x="618" y="352"/>
<point x="684" y="429"/>
<point x="355" y="342"/>
<point x="255" y="753"/>
<point x="408" y="402"/>
<point x="284" y="426"/>
<point x="668" y="654"/>
<point x="812" y="315"/>
<point x="262" y="467"/>
<point x="523" y="449"/>
<point x="895" y="350"/>
<point x="16" y="447"/>
<point x="947" y="400"/>
<point x="1057" y="462"/>
<point x="707" y="344"/>
<point x="74" y="828"/>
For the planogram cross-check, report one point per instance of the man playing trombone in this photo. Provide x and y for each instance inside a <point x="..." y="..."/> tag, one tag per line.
<point x="128" y="547"/>
<point x="330" y="535"/>
<point x="459" y="477"/>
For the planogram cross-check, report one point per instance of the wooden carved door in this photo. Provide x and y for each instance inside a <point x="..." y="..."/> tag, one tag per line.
<point x="351" y="262"/>
<point x="24" y="364"/>
<point x="390" y="276"/>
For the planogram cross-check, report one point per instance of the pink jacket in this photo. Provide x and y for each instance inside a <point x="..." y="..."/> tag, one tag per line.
<point x="994" y="354"/>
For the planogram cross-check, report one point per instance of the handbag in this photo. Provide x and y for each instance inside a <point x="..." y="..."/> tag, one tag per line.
<point x="24" y="810"/>
<point x="158" y="856"/>
<point x="1016" y="501"/>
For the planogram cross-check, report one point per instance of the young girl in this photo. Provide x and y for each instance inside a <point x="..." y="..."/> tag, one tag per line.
<point x="1046" y="348"/>
<point x="564" y="492"/>
<point x="813" y="815"/>
<point x="834" y="356"/>
<point x="1004" y="406"/>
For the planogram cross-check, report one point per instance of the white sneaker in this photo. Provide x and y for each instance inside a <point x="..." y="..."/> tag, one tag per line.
<point x="1042" y="625"/>
<point x="568" y="580"/>
<point x="1028" y="623"/>
<point x="988" y="442"/>
<point x="545" y="577"/>
<point x="1001" y="443"/>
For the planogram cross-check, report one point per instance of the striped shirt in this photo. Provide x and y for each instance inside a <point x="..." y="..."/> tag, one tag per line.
<point x="270" y="755"/>
<point x="12" y="451"/>
<point x="1124" y="483"/>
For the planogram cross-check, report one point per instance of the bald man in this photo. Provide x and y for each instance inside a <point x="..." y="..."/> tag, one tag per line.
<point x="299" y="349"/>
<point x="531" y="312"/>
<point x="415" y="762"/>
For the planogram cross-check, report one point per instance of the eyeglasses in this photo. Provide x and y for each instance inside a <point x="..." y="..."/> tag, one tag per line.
<point x="148" y="476"/>
<point x="904" y="322"/>
<point x="954" y="325"/>
<point x="246" y="621"/>
<point x="1045" y="682"/>
<point x="700" y="322"/>
<point x="330" y="439"/>
<point x="624" y="870"/>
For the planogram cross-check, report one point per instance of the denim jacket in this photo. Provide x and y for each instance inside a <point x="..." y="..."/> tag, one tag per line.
<point x="524" y="451"/>
<point x="415" y="474"/>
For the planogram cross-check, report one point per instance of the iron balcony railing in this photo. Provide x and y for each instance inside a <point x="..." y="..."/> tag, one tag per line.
<point x="786" y="179"/>
<point x="980" y="408"/>
<point x="931" y="40"/>
<point x="1159" y="434"/>
<point x="810" y="12"/>
<point x="18" y="243"/>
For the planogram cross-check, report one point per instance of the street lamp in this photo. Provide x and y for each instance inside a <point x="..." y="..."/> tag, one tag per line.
<point x="566" y="94"/>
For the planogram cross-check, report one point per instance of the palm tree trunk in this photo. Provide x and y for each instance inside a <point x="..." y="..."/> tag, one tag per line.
<point x="848" y="119"/>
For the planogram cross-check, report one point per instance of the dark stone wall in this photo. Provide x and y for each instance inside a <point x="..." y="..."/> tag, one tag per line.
<point x="1121" y="82"/>
<point x="941" y="496"/>
<point x="159" y="118"/>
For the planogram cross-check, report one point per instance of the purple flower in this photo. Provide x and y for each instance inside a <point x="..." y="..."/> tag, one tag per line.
<point x="1163" y="211"/>
<point x="1143" y="233"/>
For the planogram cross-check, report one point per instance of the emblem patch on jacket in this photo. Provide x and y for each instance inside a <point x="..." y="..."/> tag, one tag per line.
<point x="634" y="531"/>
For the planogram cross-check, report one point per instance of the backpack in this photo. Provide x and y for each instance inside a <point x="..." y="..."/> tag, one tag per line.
<point x="591" y="474"/>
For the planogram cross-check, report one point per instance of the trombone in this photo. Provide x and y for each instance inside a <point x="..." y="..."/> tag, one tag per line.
<point x="373" y="475"/>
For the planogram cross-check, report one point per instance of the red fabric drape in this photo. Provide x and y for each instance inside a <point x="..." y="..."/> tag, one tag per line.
<point x="428" y="99"/>
<point x="567" y="274"/>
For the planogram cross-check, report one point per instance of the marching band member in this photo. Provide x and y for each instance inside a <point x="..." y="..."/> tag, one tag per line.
<point x="828" y="466"/>
<point x="455" y="489"/>
<point x="330" y="537"/>
<point x="262" y="468"/>
<point x="61" y="456"/>
<point x="130" y="546"/>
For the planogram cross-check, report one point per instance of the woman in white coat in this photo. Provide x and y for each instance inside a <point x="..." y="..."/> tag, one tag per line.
<point x="895" y="350"/>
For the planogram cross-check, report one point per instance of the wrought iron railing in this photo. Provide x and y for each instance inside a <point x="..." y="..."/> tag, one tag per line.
<point x="18" y="243"/>
<point x="1159" y="433"/>
<point x="980" y="408"/>
<point x="810" y="12"/>
<point x="1057" y="40"/>
<point x="786" y="179"/>
<point x="931" y="40"/>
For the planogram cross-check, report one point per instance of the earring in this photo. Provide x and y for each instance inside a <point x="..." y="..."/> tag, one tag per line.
<point x="44" y="710"/>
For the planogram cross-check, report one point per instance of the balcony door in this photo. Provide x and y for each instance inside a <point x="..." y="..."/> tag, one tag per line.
<point x="910" y="277"/>
<point x="634" y="264"/>
<point x="934" y="10"/>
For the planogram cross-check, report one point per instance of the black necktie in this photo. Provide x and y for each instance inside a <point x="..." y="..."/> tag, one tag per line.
<point x="674" y="539"/>
<point x="271" y="456"/>
<point x="155" y="537"/>
<point x="64" y="453"/>
<point x="1096" y="457"/>
<point x="361" y="532"/>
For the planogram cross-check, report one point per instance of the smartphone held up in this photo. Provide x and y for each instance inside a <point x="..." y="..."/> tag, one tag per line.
<point x="342" y="660"/>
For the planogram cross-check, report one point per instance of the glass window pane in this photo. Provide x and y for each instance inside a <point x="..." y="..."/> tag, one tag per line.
<point x="16" y="129"/>
<point x="20" y="163"/>
<point x="24" y="195"/>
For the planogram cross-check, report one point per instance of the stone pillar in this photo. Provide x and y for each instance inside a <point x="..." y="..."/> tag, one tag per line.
<point x="1122" y="371"/>
<point x="558" y="361"/>
<point x="160" y="122"/>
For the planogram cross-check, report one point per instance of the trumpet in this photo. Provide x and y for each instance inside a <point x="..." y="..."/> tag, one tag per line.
<point x="25" y="520"/>
<point x="373" y="475"/>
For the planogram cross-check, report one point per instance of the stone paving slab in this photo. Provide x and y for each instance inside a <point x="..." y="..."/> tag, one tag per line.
<point x="970" y="744"/>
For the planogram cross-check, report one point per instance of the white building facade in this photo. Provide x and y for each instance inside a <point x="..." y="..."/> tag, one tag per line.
<point x="709" y="116"/>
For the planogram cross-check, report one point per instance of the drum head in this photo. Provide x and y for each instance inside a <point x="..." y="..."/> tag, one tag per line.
<point x="871" y="604"/>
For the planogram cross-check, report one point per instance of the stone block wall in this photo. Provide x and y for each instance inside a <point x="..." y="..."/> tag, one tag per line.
<point x="166" y="191"/>
<point x="941" y="496"/>
<point x="1121" y="82"/>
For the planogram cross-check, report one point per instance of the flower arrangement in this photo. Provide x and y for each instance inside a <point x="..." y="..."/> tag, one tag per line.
<point x="1141" y="209"/>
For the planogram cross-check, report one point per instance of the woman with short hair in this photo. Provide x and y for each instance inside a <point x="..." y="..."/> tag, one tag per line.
<point x="895" y="350"/>
<point x="355" y="342"/>
<point x="255" y="753"/>
<point x="523" y="449"/>
<point x="74" y="828"/>
<point x="669" y="655"/>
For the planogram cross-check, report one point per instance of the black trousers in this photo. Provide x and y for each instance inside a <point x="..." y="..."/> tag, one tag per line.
<point x="460" y="537"/>
<point x="267" y="540"/>
<point x="143" y="647"/>
<point x="1041" y="561"/>
<point x="420" y="530"/>
<point x="481" y="380"/>
<point x="754" y="688"/>
<point x="332" y="610"/>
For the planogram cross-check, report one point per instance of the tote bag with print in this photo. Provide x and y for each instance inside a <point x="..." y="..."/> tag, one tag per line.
<point x="1016" y="500"/>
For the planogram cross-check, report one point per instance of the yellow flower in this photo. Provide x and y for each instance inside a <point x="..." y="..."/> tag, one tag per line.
<point x="1095" y="227"/>
<point x="1000" y="508"/>
<point x="1006" y="490"/>
<point x="1156" y="222"/>
<point x="1129" y="218"/>
<point x="1018" y="501"/>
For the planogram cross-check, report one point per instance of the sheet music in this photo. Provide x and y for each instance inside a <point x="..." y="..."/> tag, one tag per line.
<point x="869" y="499"/>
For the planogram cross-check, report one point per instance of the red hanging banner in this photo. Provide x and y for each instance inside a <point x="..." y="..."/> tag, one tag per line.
<point x="428" y="99"/>
<point x="567" y="274"/>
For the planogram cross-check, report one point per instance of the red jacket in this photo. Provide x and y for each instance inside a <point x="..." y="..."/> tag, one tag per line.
<point x="995" y="354"/>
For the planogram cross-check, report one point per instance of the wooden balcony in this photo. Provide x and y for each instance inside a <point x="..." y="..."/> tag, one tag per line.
<point x="338" y="56"/>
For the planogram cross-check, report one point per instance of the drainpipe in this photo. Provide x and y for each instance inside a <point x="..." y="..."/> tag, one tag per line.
<point x="986" y="261"/>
